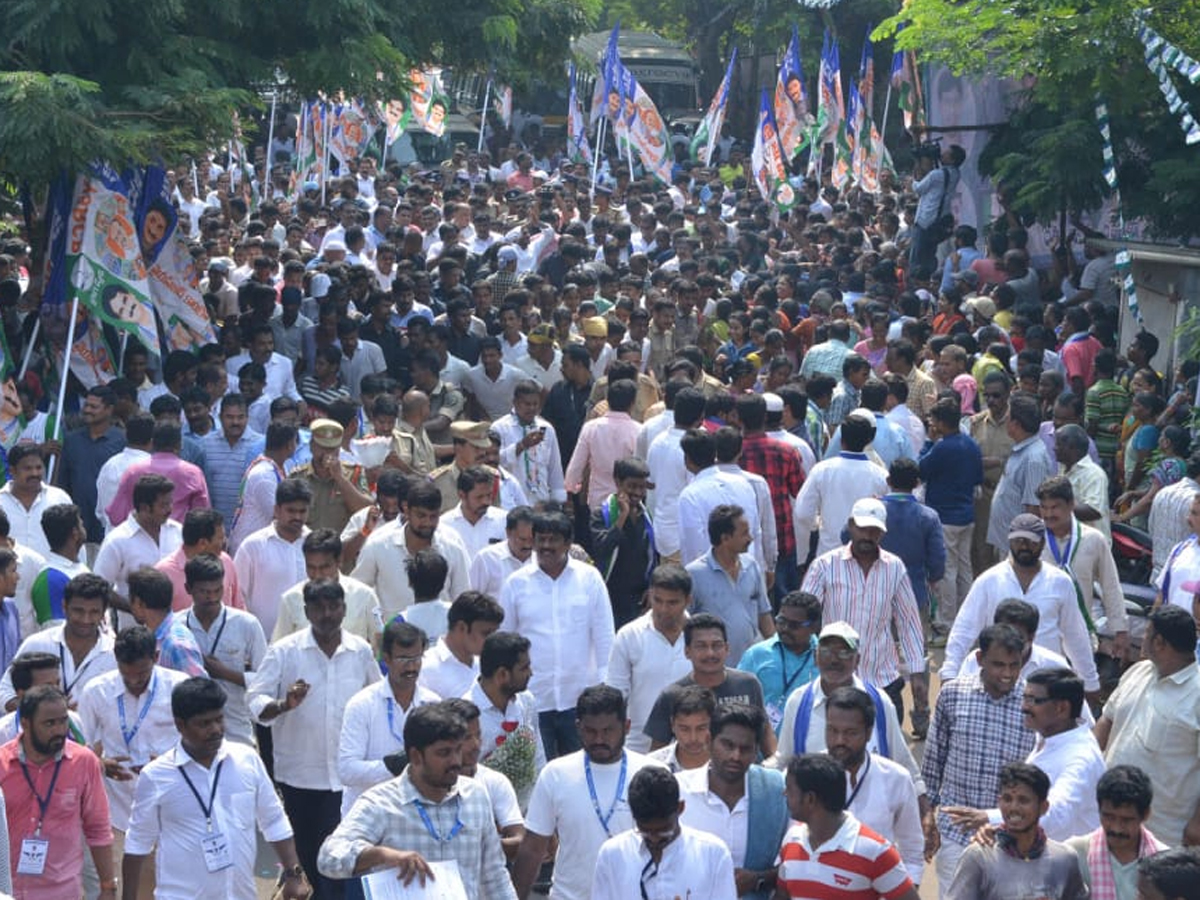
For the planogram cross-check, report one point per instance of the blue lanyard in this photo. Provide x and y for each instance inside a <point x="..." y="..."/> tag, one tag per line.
<point x="130" y="733"/>
<point x="1063" y="557"/>
<point x="391" y="704"/>
<point x="603" y="817"/>
<point x="433" y="832"/>
<point x="42" y="802"/>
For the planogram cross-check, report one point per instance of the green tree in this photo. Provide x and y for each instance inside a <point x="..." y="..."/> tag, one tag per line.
<point x="1065" y="54"/>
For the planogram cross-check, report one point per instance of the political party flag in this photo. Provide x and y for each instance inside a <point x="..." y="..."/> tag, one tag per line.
<point x="863" y="92"/>
<point x="352" y="130"/>
<point x="578" y="150"/>
<point x="502" y="103"/>
<point x="649" y="136"/>
<point x="604" y="102"/>
<point x="831" y="107"/>
<point x="708" y="132"/>
<point x="906" y="79"/>
<point x="792" y="111"/>
<point x="106" y="268"/>
<point x="766" y="159"/>
<point x="427" y="100"/>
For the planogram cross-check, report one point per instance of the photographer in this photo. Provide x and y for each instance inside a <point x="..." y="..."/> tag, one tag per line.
<point x="934" y="187"/>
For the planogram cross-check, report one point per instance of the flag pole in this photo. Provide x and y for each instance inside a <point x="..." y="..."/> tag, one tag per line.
<point x="62" y="387"/>
<point x="270" y="140"/>
<point x="326" y="125"/>
<point x="487" y="98"/>
<point x="33" y="336"/>
<point x="596" y="154"/>
<point x="887" y="102"/>
<point x="629" y="150"/>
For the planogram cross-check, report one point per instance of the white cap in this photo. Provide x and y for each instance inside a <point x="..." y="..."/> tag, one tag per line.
<point x="319" y="285"/>
<point x="841" y="630"/>
<point x="869" y="513"/>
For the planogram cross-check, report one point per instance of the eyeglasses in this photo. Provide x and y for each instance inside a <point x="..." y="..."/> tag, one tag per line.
<point x="783" y="623"/>
<point x="842" y="654"/>
<point x="406" y="660"/>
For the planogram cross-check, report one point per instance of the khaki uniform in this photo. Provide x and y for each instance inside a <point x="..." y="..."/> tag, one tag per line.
<point x="445" y="478"/>
<point x="328" y="507"/>
<point x="647" y="396"/>
<point x="993" y="440"/>
<point x="414" y="448"/>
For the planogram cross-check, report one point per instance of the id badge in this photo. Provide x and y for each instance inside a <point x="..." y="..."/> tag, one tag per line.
<point x="217" y="855"/>
<point x="33" y="856"/>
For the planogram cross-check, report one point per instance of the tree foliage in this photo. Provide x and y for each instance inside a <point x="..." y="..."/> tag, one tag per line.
<point x="1065" y="54"/>
<point x="134" y="81"/>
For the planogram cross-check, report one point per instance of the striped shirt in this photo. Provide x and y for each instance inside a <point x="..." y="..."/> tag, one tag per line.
<point x="224" y="467"/>
<point x="854" y="864"/>
<point x="1105" y="405"/>
<point x="871" y="603"/>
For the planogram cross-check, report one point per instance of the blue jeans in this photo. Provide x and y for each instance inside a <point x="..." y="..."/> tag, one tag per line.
<point x="559" y="734"/>
<point x="787" y="578"/>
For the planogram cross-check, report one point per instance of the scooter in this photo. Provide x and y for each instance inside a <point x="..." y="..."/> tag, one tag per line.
<point x="1133" y="552"/>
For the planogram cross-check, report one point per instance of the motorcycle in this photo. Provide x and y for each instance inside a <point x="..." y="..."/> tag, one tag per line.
<point x="1133" y="552"/>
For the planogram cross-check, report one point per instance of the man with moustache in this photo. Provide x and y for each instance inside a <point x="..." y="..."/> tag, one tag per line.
<point x="879" y="792"/>
<point x="601" y="770"/>
<point x="430" y="813"/>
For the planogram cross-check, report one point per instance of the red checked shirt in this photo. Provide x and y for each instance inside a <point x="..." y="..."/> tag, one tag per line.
<point x="780" y="465"/>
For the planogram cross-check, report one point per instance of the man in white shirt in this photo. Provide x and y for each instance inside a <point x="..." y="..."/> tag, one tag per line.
<point x="383" y="557"/>
<point x="231" y="640"/>
<point x="139" y="431"/>
<point x="82" y="645"/>
<point x="834" y="485"/>
<point x="322" y="562"/>
<point x="281" y="380"/>
<point x="145" y="537"/>
<point x="373" y="724"/>
<point x="257" y="503"/>
<point x="562" y="606"/>
<point x="300" y="691"/>
<point x="25" y="497"/>
<point x="648" y="653"/>
<point x="199" y="804"/>
<point x="669" y="471"/>
<point x="659" y="854"/>
<point x="127" y="718"/>
<point x="542" y="361"/>
<point x="1061" y="627"/>
<point x="529" y="445"/>
<point x="737" y="801"/>
<point x="1066" y="750"/>
<point x="880" y="792"/>
<point x="271" y="559"/>
<point x="709" y="488"/>
<point x="602" y="768"/>
<point x="451" y="665"/>
<point x="494" y="563"/>
<point x="477" y="523"/>
<point x="1169" y="521"/>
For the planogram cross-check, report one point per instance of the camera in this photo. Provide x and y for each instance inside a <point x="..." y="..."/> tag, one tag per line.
<point x="931" y="150"/>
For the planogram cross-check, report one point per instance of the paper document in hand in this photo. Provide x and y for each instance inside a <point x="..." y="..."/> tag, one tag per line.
<point x="446" y="884"/>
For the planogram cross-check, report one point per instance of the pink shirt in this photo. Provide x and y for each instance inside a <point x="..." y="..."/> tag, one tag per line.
<point x="601" y="443"/>
<point x="78" y="800"/>
<point x="191" y="490"/>
<point x="172" y="567"/>
<point x="1079" y="358"/>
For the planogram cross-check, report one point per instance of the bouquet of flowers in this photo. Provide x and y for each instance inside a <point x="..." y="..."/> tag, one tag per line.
<point x="513" y="756"/>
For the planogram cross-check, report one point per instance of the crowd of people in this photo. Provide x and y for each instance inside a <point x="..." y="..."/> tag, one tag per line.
<point x="598" y="539"/>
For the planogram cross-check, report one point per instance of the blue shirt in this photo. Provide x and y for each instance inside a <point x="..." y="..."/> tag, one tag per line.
<point x="890" y="442"/>
<point x="738" y="604"/>
<point x="915" y="535"/>
<point x="952" y="468"/>
<point x="225" y="466"/>
<point x="177" y="647"/>
<point x="966" y="256"/>
<point x="780" y="671"/>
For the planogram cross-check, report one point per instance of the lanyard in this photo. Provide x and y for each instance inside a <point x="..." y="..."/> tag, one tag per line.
<point x="428" y="822"/>
<point x="212" y="794"/>
<point x="605" y="818"/>
<point x="43" y="803"/>
<point x="69" y="686"/>
<point x="212" y="650"/>
<point x="130" y="733"/>
<point x="391" y="704"/>
<point x="789" y="681"/>
<point x="1064" y="557"/>
<point x="862" y="778"/>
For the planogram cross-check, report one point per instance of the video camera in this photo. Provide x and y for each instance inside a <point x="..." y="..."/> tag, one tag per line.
<point x="931" y="150"/>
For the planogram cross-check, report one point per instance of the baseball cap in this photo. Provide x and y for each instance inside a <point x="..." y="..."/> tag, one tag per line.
<point x="842" y="631"/>
<point x="542" y="334"/>
<point x="869" y="513"/>
<point x="983" y="306"/>
<point x="1027" y="526"/>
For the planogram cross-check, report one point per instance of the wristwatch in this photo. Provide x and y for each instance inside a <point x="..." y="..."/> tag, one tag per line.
<point x="296" y="871"/>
